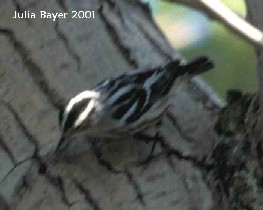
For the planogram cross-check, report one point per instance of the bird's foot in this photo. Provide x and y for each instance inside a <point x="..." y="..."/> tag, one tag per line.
<point x="148" y="139"/>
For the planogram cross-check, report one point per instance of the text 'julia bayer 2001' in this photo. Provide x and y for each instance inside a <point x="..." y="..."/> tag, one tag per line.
<point x="54" y="15"/>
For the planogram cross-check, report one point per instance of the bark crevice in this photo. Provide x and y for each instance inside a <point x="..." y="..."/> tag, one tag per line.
<point x="125" y="51"/>
<point x="34" y="70"/>
<point x="67" y="45"/>
<point x="88" y="197"/>
<point x="135" y="186"/>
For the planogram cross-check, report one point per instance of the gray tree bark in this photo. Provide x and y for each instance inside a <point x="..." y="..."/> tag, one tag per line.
<point x="43" y="63"/>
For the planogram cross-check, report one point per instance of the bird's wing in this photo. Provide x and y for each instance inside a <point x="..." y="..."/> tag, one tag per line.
<point x="128" y="103"/>
<point x="129" y="99"/>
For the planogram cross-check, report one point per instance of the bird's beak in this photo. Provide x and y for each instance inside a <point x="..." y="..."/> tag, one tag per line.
<point x="61" y="141"/>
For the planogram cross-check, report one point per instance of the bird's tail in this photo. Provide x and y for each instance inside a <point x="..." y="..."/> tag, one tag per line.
<point x="194" y="67"/>
<point x="197" y="66"/>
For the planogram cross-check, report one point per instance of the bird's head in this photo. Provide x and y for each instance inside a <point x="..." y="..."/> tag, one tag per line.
<point x="78" y="113"/>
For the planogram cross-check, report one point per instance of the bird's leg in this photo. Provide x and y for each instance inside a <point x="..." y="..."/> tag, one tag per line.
<point x="144" y="137"/>
<point x="147" y="139"/>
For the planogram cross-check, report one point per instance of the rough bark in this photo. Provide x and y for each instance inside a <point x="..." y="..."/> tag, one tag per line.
<point x="44" y="63"/>
<point x="255" y="15"/>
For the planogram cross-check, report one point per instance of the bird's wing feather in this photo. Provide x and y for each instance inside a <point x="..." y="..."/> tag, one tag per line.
<point x="128" y="106"/>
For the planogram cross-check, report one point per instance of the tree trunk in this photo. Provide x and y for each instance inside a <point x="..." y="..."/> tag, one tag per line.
<point x="45" y="62"/>
<point x="255" y="16"/>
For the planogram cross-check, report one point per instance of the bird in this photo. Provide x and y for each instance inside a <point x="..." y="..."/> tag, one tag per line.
<point x="127" y="104"/>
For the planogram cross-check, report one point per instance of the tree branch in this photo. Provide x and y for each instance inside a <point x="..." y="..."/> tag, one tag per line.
<point x="217" y="10"/>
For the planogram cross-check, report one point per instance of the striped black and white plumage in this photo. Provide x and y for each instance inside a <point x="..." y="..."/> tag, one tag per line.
<point x="126" y="104"/>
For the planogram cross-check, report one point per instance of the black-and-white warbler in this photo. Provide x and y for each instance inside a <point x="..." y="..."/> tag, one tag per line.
<point x="127" y="104"/>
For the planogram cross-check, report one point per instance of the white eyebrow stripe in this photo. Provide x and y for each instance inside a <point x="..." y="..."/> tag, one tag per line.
<point x="83" y="95"/>
<point x="84" y="114"/>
